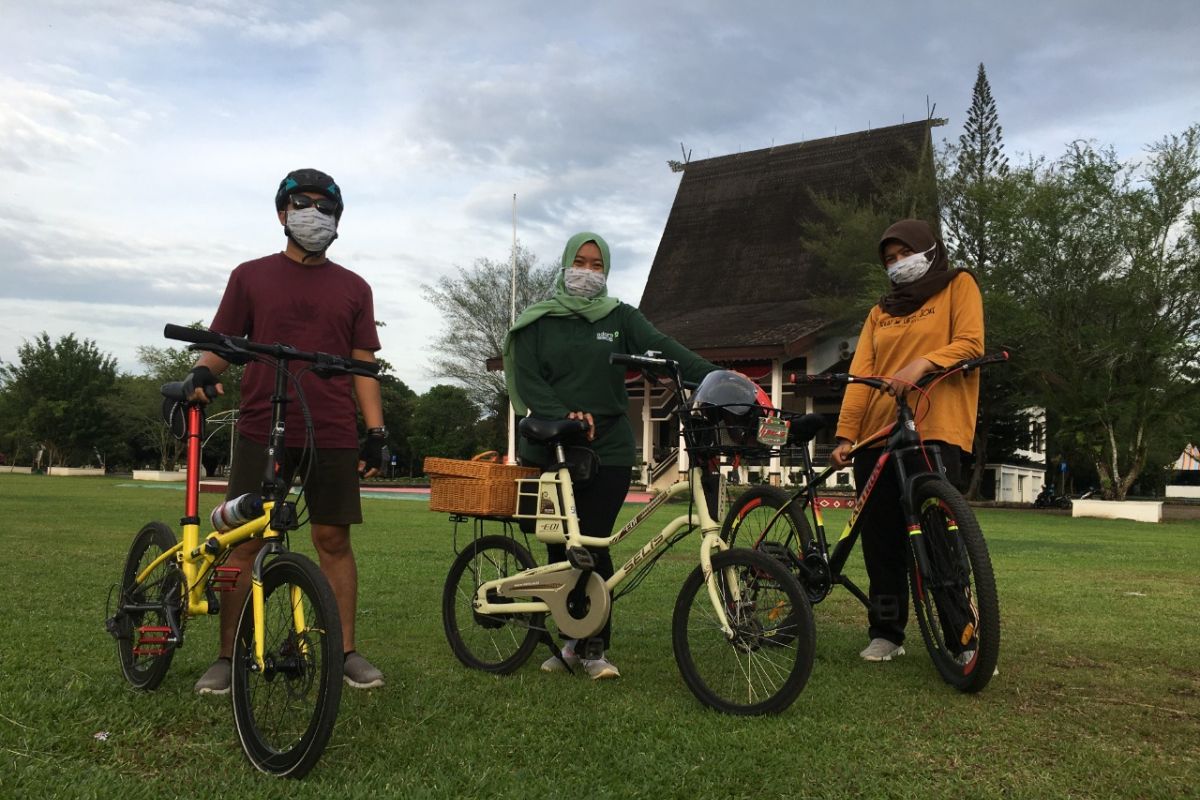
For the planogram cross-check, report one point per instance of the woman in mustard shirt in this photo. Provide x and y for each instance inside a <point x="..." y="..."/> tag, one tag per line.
<point x="931" y="317"/>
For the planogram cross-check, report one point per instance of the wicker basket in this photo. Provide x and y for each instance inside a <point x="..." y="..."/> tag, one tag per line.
<point x="479" y="487"/>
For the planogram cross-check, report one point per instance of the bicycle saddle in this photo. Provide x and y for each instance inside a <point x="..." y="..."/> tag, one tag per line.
<point x="806" y="427"/>
<point x="550" y="431"/>
<point x="174" y="391"/>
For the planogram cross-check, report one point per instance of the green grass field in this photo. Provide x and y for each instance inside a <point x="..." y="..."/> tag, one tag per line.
<point x="1098" y="693"/>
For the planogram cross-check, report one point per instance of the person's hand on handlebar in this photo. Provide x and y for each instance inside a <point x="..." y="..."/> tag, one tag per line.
<point x="840" y="457"/>
<point x="586" y="417"/>
<point x="908" y="375"/>
<point x="200" y="378"/>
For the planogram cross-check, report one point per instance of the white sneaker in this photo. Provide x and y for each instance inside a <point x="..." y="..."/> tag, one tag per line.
<point x="881" y="650"/>
<point x="600" y="668"/>
<point x="554" y="664"/>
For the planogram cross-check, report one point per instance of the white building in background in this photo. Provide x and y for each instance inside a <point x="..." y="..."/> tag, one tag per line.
<point x="1021" y="482"/>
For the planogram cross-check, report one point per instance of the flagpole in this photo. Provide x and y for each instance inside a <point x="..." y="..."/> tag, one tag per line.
<point x="512" y="318"/>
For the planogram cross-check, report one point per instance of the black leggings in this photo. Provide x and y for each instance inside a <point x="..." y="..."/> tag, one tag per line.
<point x="597" y="502"/>
<point x="885" y="542"/>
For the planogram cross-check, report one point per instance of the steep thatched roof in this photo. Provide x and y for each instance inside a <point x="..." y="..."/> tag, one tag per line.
<point x="729" y="274"/>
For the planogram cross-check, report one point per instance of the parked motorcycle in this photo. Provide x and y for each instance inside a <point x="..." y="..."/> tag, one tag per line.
<point x="1048" y="498"/>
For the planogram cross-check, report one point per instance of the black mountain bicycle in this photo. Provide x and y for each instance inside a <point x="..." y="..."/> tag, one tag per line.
<point x="953" y="587"/>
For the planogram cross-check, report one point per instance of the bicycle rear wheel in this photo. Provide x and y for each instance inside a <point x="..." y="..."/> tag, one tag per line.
<point x="766" y="663"/>
<point x="955" y="601"/>
<point x="285" y="713"/>
<point x="145" y="655"/>
<point x="493" y="643"/>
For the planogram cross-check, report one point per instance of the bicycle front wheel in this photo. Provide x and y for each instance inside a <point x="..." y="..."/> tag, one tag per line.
<point x="284" y="712"/>
<point x="955" y="599"/>
<point x="141" y="623"/>
<point x="492" y="643"/>
<point x="764" y="665"/>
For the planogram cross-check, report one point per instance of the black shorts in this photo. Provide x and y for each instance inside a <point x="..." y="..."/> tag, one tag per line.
<point x="331" y="490"/>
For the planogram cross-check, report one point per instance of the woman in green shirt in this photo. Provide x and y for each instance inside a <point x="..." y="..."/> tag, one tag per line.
<point x="556" y="365"/>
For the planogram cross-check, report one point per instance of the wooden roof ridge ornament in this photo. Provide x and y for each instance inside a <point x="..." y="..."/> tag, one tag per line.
<point x="680" y="166"/>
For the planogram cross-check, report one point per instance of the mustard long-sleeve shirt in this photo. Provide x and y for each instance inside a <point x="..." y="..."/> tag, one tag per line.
<point x="947" y="329"/>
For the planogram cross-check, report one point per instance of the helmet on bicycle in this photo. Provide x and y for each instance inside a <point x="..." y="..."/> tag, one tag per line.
<point x="309" y="180"/>
<point x="726" y="409"/>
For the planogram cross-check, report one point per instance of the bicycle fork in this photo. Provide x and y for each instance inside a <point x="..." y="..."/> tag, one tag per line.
<point x="258" y="608"/>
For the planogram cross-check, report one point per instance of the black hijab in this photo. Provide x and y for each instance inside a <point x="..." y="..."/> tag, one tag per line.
<point x="902" y="300"/>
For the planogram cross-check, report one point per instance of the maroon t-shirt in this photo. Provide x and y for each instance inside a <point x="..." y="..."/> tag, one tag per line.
<point x="321" y="307"/>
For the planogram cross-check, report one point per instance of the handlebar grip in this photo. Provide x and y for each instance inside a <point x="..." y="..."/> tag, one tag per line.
<point x="366" y="366"/>
<point x="193" y="335"/>
<point x="824" y="377"/>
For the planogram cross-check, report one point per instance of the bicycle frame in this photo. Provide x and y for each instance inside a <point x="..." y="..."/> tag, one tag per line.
<point x="197" y="560"/>
<point x="550" y="529"/>
<point x="900" y="439"/>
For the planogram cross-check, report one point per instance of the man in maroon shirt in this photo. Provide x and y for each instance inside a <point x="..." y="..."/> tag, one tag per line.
<point x="301" y="298"/>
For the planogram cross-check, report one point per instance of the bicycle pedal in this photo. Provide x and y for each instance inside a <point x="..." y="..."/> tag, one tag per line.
<point x="152" y="640"/>
<point x="224" y="579"/>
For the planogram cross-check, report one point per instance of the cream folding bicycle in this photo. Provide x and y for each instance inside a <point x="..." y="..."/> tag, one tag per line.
<point x="742" y="628"/>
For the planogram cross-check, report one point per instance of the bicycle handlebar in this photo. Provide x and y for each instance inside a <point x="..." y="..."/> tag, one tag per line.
<point x="647" y="362"/>
<point x="966" y="365"/>
<point x="202" y="339"/>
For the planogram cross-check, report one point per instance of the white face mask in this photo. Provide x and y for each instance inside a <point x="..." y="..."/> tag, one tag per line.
<point x="583" y="282"/>
<point x="908" y="269"/>
<point x="312" y="230"/>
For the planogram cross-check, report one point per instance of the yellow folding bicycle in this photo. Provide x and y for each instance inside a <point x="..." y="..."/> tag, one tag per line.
<point x="287" y="656"/>
<point x="742" y="629"/>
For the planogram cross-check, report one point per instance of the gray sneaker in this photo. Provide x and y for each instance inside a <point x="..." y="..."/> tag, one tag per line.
<point x="553" y="664"/>
<point x="600" y="668"/>
<point x="216" y="678"/>
<point x="360" y="673"/>
<point x="882" y="650"/>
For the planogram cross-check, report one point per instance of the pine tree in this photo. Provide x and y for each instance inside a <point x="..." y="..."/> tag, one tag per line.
<point x="979" y="222"/>
<point x="980" y="162"/>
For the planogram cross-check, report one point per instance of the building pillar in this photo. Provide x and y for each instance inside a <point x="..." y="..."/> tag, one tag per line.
<point x="647" y="433"/>
<point x="776" y="474"/>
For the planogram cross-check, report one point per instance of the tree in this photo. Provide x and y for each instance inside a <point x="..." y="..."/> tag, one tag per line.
<point x="398" y="404"/>
<point x="475" y="307"/>
<point x="443" y="424"/>
<point x="979" y="203"/>
<point x="846" y="278"/>
<point x="53" y="395"/>
<point x="1107" y="262"/>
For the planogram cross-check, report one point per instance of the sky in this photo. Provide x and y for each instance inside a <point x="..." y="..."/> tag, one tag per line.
<point x="141" y="142"/>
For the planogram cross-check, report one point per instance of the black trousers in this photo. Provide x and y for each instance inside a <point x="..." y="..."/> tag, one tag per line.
<point x="597" y="502"/>
<point x="885" y="540"/>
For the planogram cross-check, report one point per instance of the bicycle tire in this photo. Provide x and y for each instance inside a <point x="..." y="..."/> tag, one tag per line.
<point x="285" y="714"/>
<point x="146" y="671"/>
<point x="496" y="644"/>
<point x="956" y="604"/>
<point x="763" y="669"/>
<point x="743" y="524"/>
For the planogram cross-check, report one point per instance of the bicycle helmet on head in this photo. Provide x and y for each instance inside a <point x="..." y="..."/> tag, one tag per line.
<point x="309" y="180"/>
<point x="726" y="409"/>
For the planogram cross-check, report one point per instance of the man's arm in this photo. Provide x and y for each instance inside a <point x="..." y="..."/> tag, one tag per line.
<point x="370" y="403"/>
<point x="370" y="398"/>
